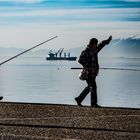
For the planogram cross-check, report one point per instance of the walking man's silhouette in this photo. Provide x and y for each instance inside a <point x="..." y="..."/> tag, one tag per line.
<point x="89" y="60"/>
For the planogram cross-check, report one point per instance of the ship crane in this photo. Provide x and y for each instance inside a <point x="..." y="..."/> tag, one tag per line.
<point x="57" y="52"/>
<point x="61" y="52"/>
<point x="69" y="54"/>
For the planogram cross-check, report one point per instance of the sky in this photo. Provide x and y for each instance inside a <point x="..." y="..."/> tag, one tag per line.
<point x="25" y="23"/>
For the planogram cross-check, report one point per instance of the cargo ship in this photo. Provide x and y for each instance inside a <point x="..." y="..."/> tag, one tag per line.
<point x="58" y="56"/>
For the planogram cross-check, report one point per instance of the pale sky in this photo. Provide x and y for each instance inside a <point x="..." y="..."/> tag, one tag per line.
<point x="24" y="23"/>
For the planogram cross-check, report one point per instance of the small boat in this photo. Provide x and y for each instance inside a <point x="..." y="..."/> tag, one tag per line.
<point x="54" y="56"/>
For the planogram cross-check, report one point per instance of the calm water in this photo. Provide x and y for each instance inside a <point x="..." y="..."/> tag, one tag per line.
<point x="37" y="81"/>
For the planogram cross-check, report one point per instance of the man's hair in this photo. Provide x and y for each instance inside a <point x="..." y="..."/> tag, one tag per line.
<point x="93" y="41"/>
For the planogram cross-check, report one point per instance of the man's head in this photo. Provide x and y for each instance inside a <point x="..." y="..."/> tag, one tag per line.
<point x="93" y="42"/>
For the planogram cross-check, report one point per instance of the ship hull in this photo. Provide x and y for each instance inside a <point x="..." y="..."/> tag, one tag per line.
<point x="62" y="58"/>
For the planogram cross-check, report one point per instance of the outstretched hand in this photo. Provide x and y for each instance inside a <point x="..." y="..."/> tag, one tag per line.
<point x="110" y="38"/>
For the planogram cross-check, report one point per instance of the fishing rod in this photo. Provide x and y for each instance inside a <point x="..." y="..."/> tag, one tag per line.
<point x="76" y="68"/>
<point x="28" y="50"/>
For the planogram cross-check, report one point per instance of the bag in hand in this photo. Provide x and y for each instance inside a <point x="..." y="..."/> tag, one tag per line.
<point x="83" y="74"/>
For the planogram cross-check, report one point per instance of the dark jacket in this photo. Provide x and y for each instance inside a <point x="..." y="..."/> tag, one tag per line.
<point x="89" y="58"/>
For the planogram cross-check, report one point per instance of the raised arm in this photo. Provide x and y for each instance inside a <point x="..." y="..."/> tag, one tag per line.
<point x="103" y="43"/>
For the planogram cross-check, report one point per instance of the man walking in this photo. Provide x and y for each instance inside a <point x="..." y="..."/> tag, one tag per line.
<point x="89" y="60"/>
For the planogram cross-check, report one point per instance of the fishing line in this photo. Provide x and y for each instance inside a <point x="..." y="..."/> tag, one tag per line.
<point x="28" y="50"/>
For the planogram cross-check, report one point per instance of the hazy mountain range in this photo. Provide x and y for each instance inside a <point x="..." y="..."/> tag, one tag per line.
<point x="129" y="47"/>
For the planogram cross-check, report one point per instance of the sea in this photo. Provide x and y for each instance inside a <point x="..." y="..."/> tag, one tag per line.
<point x="35" y="80"/>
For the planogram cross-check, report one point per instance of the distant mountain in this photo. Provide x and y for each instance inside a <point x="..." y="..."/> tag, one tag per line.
<point x="14" y="51"/>
<point x="10" y="51"/>
<point x="129" y="47"/>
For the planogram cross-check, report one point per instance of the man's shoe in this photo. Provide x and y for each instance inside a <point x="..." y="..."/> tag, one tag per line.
<point x="96" y="106"/>
<point x="78" y="102"/>
<point x="1" y="97"/>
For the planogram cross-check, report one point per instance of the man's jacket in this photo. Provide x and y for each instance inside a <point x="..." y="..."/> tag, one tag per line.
<point x="89" y="58"/>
